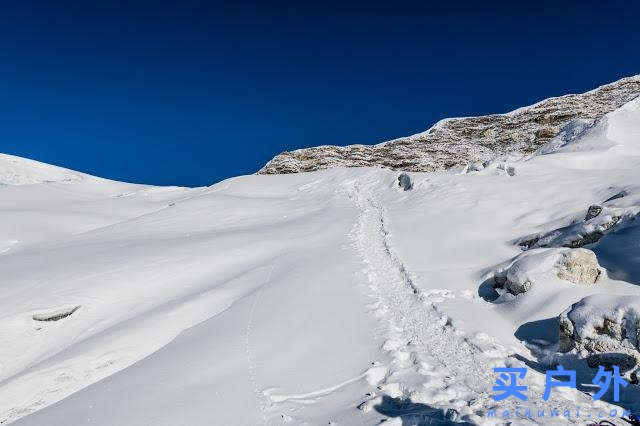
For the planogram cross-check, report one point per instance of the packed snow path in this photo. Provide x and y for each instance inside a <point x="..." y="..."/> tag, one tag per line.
<point x="434" y="368"/>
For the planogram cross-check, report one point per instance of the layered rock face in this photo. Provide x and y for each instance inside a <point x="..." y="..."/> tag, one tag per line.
<point x="460" y="141"/>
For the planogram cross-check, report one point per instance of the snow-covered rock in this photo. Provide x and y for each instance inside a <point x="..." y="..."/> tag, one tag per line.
<point x="404" y="182"/>
<point x="598" y="221"/>
<point x="602" y="323"/>
<point x="577" y="266"/>
<point x="460" y="141"/>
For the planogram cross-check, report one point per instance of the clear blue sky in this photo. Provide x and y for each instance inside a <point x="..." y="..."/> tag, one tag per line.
<point x="191" y="92"/>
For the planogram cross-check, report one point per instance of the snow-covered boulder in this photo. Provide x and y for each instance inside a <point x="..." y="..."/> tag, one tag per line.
<point x="602" y="323"/>
<point x="577" y="266"/>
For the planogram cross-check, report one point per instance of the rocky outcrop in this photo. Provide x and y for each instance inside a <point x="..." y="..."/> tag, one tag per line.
<point x="461" y="141"/>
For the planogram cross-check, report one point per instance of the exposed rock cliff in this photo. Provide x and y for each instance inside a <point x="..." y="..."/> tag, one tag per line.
<point x="459" y="141"/>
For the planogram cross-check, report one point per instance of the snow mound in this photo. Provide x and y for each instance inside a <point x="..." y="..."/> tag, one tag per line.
<point x="602" y="323"/>
<point x="22" y="171"/>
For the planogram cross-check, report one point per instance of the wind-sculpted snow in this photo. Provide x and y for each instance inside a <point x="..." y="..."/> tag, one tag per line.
<point x="460" y="141"/>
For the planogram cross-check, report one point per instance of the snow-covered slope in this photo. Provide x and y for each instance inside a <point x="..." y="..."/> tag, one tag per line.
<point x="331" y="297"/>
<point x="461" y="141"/>
<point x="41" y="203"/>
<point x="22" y="171"/>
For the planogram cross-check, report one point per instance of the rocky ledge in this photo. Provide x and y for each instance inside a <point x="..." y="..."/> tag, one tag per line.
<point x="460" y="141"/>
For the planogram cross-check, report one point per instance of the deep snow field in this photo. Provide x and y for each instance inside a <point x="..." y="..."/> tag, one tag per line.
<point x="331" y="297"/>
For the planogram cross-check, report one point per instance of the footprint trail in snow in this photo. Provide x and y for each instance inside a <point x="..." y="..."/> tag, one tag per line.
<point x="433" y="365"/>
<point x="434" y="373"/>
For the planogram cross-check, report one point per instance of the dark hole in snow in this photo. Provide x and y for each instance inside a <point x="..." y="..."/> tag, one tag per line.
<point x="55" y="315"/>
<point x="529" y="243"/>
<point x="620" y="194"/>
<point x="404" y="182"/>
<point x="593" y="211"/>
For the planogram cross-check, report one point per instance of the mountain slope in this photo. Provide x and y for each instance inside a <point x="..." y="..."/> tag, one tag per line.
<point x="331" y="297"/>
<point x="460" y="141"/>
